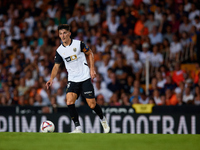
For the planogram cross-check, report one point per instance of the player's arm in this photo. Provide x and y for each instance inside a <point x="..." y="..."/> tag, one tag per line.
<point x="89" y="52"/>
<point x="58" y="61"/>
<point x="91" y="60"/>
<point x="53" y="75"/>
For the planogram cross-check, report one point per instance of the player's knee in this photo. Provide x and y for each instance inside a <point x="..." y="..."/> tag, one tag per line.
<point x="92" y="105"/>
<point x="71" y="98"/>
<point x="70" y="102"/>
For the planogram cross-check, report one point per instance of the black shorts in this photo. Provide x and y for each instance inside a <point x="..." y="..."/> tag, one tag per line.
<point x="85" y="88"/>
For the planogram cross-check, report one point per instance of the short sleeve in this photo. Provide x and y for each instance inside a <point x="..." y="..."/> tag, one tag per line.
<point x="84" y="48"/>
<point x="58" y="58"/>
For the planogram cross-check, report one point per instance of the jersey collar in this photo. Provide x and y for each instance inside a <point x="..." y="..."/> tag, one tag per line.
<point x="67" y="45"/>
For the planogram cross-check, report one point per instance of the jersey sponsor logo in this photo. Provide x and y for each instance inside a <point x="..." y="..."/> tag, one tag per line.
<point x="74" y="49"/>
<point x="68" y="59"/>
<point x="71" y="58"/>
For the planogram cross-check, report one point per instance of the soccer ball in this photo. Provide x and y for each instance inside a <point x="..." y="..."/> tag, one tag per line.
<point x="47" y="126"/>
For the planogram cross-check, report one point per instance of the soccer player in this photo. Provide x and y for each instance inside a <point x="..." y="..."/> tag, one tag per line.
<point x="73" y="52"/>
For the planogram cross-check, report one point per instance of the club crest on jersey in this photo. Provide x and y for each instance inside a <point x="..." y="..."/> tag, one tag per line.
<point x="74" y="49"/>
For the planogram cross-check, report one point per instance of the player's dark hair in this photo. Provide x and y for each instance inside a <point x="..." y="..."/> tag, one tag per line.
<point x="64" y="26"/>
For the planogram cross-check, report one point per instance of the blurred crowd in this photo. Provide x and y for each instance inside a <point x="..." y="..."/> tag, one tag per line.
<point x="123" y="34"/>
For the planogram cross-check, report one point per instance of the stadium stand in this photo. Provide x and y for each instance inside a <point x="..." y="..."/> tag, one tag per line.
<point x="124" y="36"/>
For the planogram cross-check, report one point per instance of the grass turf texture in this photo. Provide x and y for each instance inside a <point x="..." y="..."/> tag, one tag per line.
<point x="65" y="141"/>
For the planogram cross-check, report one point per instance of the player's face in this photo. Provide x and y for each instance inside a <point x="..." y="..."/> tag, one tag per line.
<point x="64" y="35"/>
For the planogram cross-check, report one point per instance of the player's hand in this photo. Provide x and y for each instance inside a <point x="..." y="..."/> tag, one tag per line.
<point x="92" y="73"/>
<point x="49" y="83"/>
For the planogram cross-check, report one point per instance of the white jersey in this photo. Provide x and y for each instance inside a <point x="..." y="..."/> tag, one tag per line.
<point x="74" y="60"/>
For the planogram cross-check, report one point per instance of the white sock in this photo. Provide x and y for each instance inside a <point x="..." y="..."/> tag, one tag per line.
<point x="78" y="127"/>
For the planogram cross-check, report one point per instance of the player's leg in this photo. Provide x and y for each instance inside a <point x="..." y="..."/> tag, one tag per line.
<point x="93" y="105"/>
<point x="88" y="93"/>
<point x="71" y="96"/>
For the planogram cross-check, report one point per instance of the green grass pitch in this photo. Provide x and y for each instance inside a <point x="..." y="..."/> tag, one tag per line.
<point x="65" y="141"/>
